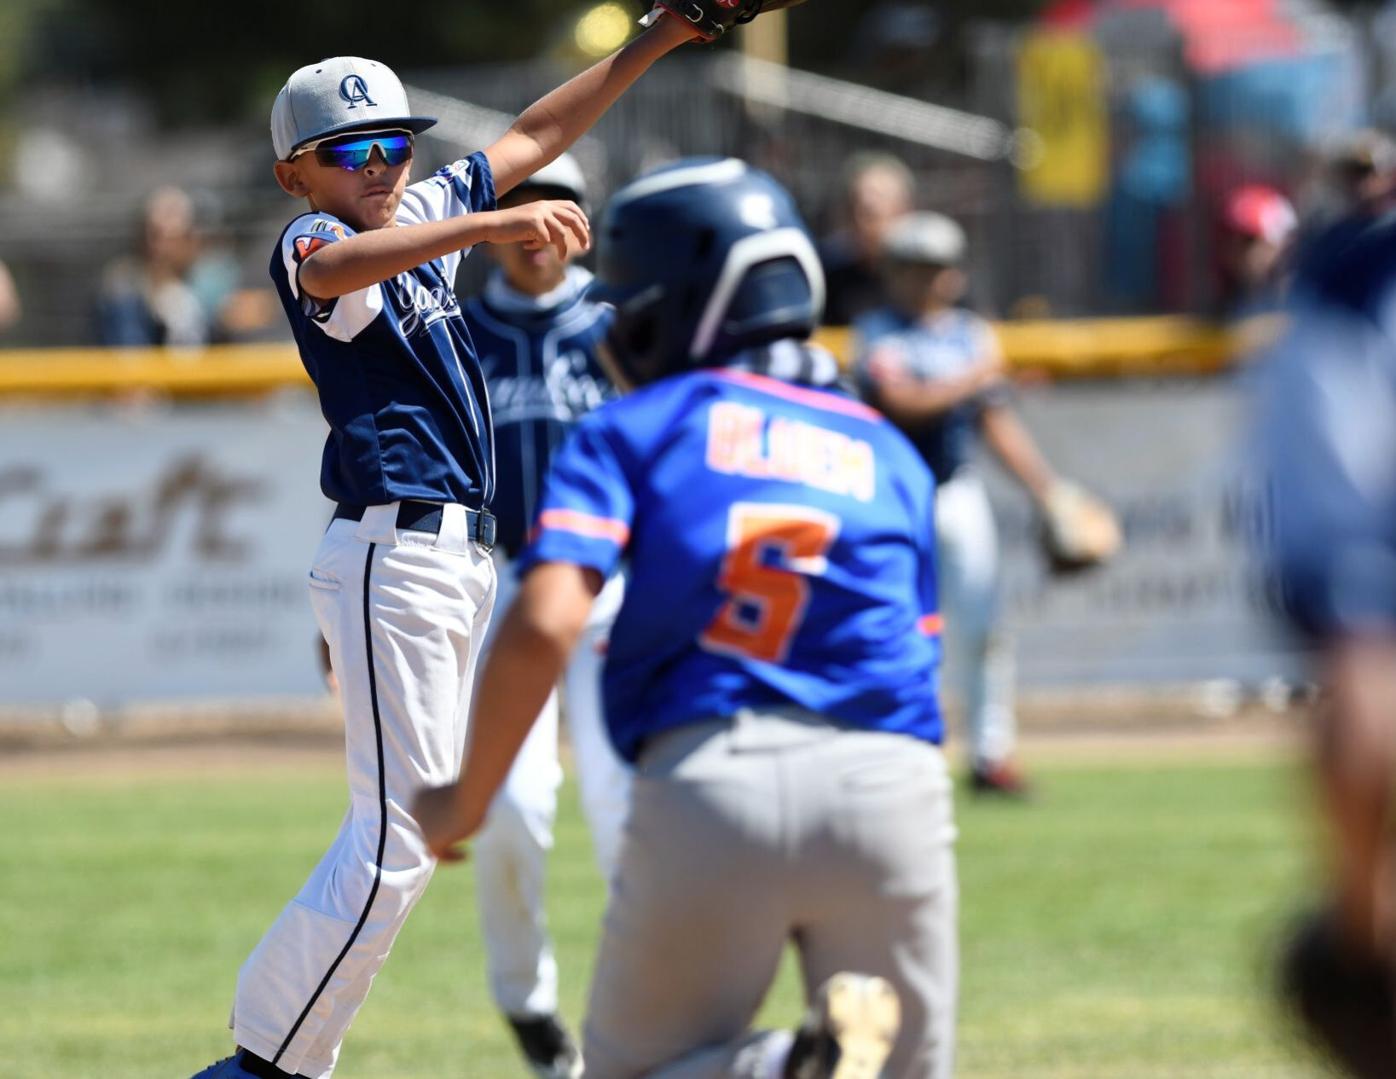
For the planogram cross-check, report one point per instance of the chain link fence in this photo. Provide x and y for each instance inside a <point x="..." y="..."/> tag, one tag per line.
<point x="1176" y="140"/>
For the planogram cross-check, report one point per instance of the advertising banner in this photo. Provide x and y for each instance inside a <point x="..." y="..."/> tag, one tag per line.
<point x="156" y="552"/>
<point x="1186" y="601"/>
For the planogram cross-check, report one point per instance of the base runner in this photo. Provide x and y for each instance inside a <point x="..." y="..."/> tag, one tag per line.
<point x="770" y="673"/>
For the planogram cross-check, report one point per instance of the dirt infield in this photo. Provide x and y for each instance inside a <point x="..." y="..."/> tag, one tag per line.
<point x="1119" y="725"/>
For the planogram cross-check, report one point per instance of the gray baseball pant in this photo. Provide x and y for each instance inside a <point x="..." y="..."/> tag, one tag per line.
<point x="748" y="832"/>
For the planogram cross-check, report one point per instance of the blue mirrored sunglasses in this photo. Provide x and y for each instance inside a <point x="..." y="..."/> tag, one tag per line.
<point x="352" y="152"/>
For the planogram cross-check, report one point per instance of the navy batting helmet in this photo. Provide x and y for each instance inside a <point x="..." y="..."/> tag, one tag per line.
<point x="703" y="258"/>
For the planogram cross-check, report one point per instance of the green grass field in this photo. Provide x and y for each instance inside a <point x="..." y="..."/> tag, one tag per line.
<point x="1118" y="928"/>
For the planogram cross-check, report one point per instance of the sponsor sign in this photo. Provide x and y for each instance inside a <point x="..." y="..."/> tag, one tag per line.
<point x="1185" y="601"/>
<point x="158" y="553"/>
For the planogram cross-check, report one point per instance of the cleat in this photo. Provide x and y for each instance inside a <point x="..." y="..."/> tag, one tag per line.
<point x="1001" y="778"/>
<point x="848" y="1032"/>
<point x="546" y="1045"/>
<point x="228" y="1068"/>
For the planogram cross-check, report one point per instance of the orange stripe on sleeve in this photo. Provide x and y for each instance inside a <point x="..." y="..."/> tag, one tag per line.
<point x="930" y="624"/>
<point x="585" y="524"/>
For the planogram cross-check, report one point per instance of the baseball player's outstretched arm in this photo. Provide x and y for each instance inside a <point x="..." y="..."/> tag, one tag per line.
<point x="1014" y="445"/>
<point x="558" y="119"/>
<point x="370" y="257"/>
<point x="537" y="637"/>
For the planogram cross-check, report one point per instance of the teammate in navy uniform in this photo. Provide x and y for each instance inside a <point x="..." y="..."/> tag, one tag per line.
<point x="937" y="371"/>
<point x="771" y="672"/>
<point x="402" y="584"/>
<point x="537" y="335"/>
<point x="1327" y="434"/>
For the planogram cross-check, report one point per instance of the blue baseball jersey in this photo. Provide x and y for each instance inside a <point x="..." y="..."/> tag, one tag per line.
<point x="892" y="347"/>
<point x="539" y="359"/>
<point x="1327" y="439"/>
<point x="397" y="374"/>
<point x="780" y="546"/>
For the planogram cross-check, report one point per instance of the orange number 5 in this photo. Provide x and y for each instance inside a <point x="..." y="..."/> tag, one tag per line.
<point x="771" y="549"/>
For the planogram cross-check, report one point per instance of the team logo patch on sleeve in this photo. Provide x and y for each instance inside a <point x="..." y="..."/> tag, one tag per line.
<point x="319" y="234"/>
<point x="308" y="245"/>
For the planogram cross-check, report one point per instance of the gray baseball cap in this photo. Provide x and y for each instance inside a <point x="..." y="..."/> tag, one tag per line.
<point x="926" y="238"/>
<point x="342" y="93"/>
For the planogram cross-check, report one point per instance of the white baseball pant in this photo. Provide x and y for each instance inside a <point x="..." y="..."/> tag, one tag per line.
<point x="749" y="832"/>
<point x="979" y="655"/>
<point x="404" y="614"/>
<point x="510" y="852"/>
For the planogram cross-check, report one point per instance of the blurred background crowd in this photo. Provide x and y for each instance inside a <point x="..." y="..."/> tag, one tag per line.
<point x="1104" y="156"/>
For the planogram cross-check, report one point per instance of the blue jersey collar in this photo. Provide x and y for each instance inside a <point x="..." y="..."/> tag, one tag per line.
<point x="505" y="299"/>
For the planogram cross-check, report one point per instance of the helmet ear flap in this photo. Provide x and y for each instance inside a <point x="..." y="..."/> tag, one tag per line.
<point x="635" y="339"/>
<point x="774" y="300"/>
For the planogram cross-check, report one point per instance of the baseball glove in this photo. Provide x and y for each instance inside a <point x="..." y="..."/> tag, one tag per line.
<point x="1078" y="530"/>
<point x="713" y="18"/>
<point x="1347" y="1001"/>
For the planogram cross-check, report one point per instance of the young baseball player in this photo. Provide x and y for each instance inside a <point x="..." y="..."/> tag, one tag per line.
<point x="771" y="673"/>
<point x="402" y="584"/>
<point x="537" y="335"/>
<point x="934" y="368"/>
<point x="1326" y="436"/>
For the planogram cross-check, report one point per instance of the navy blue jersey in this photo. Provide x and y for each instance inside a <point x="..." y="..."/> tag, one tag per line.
<point x="780" y="544"/>
<point x="539" y="359"/>
<point x="397" y="374"/>
<point x="1327" y="429"/>
<point x="892" y="347"/>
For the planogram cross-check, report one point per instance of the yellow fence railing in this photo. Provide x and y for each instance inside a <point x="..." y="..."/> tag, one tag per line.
<point x="1086" y="348"/>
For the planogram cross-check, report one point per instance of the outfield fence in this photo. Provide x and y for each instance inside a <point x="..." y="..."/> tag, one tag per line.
<point x="1168" y="346"/>
<point x="158" y="510"/>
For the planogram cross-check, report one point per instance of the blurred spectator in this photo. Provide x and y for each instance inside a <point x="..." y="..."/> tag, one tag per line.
<point x="1257" y="226"/>
<point x="177" y="292"/>
<point x="149" y="300"/>
<point x="1363" y="174"/>
<point x="894" y="48"/>
<point x="10" y="310"/>
<point x="877" y="190"/>
<point x="1359" y="187"/>
<point x="1327" y="437"/>
<point x="936" y="371"/>
<point x="1146" y="217"/>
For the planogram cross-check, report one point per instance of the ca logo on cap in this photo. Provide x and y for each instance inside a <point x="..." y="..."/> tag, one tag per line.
<point x="354" y="90"/>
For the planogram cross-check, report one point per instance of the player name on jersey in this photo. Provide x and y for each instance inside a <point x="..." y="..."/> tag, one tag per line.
<point x="744" y="441"/>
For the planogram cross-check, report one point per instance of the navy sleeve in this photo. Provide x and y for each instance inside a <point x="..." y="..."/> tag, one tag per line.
<point x="1326" y="433"/>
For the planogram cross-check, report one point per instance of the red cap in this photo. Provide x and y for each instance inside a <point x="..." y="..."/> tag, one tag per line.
<point x="1261" y="212"/>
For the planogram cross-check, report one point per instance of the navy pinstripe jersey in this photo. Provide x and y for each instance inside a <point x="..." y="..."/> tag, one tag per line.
<point x="539" y="360"/>
<point x="397" y="374"/>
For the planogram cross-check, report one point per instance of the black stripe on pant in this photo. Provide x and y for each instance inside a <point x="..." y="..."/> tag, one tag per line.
<point x="382" y="814"/>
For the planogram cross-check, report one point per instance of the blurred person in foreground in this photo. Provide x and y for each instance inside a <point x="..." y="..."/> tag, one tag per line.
<point x="1257" y="227"/>
<point x="537" y="335"/>
<point x="877" y="190"/>
<point x="936" y="370"/>
<point x="771" y="672"/>
<point x="1326" y="432"/>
